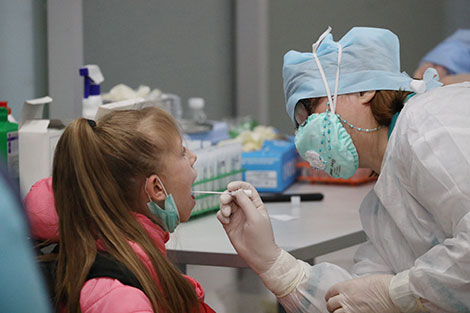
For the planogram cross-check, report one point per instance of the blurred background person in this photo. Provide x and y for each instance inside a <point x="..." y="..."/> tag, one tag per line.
<point x="451" y="59"/>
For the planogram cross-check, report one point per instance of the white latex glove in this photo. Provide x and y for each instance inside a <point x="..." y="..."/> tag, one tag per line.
<point x="248" y="227"/>
<point x="364" y="294"/>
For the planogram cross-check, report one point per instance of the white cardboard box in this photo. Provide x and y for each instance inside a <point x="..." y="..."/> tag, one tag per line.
<point x="131" y="104"/>
<point x="37" y="141"/>
<point x="38" y="138"/>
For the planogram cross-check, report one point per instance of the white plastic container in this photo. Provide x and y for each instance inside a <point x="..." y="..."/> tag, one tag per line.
<point x="90" y="106"/>
<point x="196" y="105"/>
<point x="172" y="104"/>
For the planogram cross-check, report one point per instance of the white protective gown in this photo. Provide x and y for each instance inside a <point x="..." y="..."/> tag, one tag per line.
<point x="417" y="217"/>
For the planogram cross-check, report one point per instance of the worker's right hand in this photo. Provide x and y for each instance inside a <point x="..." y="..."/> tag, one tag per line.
<point x="248" y="226"/>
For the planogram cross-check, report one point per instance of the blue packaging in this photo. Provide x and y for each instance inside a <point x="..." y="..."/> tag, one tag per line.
<point x="218" y="133"/>
<point x="273" y="167"/>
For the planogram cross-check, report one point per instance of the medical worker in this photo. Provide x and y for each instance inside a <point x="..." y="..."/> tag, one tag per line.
<point x="354" y="108"/>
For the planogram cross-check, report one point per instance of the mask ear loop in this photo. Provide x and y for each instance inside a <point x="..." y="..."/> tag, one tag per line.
<point x="163" y="186"/>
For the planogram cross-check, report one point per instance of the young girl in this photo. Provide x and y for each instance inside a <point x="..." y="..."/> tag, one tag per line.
<point x="119" y="186"/>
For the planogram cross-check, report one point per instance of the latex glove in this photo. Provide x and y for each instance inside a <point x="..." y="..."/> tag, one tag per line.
<point x="248" y="227"/>
<point x="364" y="294"/>
<point x="442" y="71"/>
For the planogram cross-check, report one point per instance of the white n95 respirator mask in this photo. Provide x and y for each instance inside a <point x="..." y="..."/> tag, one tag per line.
<point x="324" y="142"/>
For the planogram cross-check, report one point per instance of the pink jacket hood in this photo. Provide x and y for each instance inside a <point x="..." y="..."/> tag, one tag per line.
<point x="41" y="212"/>
<point x="40" y="209"/>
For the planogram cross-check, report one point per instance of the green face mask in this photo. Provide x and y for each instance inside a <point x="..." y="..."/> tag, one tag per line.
<point x="326" y="145"/>
<point x="169" y="215"/>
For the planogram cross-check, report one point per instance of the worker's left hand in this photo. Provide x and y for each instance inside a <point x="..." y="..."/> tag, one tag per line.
<point x="364" y="294"/>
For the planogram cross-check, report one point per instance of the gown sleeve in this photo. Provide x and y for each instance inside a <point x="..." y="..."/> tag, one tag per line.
<point x="309" y="296"/>
<point x="435" y="167"/>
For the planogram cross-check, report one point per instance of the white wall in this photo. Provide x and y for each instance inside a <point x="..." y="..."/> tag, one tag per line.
<point x="181" y="47"/>
<point x="23" y="52"/>
<point x="457" y="15"/>
<point x="65" y="55"/>
<point x="188" y="48"/>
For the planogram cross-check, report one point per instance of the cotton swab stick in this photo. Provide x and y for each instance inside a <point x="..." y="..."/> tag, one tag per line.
<point x="246" y="191"/>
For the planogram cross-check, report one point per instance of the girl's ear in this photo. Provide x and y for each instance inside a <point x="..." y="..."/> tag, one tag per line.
<point x="154" y="188"/>
<point x="366" y="96"/>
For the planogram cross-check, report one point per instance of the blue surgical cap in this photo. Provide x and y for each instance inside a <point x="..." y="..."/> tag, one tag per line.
<point x="370" y="61"/>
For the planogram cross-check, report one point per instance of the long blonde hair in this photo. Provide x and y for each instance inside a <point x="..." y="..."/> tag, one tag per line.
<point x="97" y="175"/>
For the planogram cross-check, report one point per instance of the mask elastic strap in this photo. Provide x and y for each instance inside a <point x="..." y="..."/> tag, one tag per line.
<point x="314" y="52"/>
<point x="340" y="53"/>
<point x="163" y="186"/>
<point x="322" y="73"/>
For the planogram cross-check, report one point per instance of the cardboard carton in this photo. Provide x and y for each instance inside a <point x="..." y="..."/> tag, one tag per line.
<point x="131" y="104"/>
<point x="273" y="167"/>
<point x="37" y="141"/>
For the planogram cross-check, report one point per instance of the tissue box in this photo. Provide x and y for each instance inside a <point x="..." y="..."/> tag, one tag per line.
<point x="273" y="167"/>
<point x="37" y="141"/>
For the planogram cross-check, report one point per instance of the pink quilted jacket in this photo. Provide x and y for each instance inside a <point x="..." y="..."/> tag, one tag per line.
<point x="100" y="294"/>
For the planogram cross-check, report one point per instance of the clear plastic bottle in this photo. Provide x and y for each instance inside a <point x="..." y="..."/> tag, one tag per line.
<point x="173" y="105"/>
<point x="196" y="105"/>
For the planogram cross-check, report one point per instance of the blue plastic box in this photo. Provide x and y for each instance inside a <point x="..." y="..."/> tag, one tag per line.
<point x="273" y="167"/>
<point x="218" y="133"/>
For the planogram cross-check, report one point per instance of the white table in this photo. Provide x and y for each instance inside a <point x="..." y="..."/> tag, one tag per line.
<point x="318" y="227"/>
